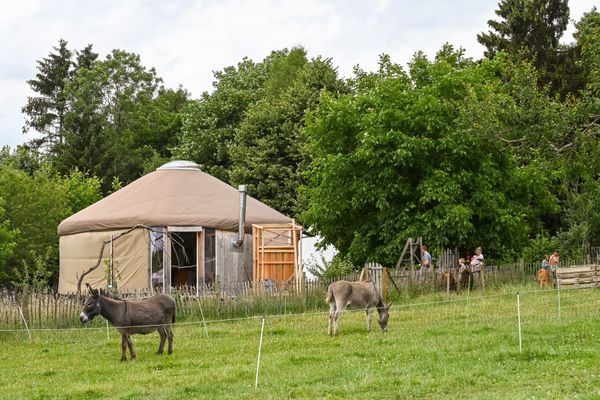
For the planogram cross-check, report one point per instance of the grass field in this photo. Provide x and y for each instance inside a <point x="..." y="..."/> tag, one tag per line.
<point x="437" y="347"/>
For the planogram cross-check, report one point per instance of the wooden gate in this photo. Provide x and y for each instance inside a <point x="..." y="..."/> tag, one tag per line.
<point x="277" y="256"/>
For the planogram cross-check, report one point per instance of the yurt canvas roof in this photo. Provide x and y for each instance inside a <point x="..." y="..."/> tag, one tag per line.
<point x="176" y="194"/>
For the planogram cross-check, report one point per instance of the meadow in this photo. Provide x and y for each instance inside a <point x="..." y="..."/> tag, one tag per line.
<point x="439" y="346"/>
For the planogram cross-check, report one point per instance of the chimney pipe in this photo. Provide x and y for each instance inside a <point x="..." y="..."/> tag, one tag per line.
<point x="240" y="240"/>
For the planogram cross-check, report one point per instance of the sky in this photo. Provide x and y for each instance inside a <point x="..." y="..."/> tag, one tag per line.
<point x="185" y="41"/>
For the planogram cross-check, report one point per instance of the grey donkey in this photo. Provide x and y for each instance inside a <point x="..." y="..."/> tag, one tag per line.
<point x="355" y="295"/>
<point x="156" y="313"/>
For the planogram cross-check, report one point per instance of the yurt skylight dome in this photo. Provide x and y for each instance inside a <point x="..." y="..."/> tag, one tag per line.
<point x="179" y="164"/>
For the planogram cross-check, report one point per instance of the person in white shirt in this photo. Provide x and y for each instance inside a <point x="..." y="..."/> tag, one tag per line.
<point x="477" y="260"/>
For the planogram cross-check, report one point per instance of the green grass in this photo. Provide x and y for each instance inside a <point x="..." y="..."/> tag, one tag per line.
<point x="438" y="347"/>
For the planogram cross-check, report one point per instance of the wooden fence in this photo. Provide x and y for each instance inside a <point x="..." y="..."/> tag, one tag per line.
<point x="46" y="309"/>
<point x="51" y="310"/>
<point x="582" y="276"/>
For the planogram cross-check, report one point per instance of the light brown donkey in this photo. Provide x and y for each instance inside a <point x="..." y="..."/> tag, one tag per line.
<point x="544" y="278"/>
<point x="355" y="295"/>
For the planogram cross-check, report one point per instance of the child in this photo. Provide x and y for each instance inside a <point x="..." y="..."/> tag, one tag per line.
<point x="461" y="265"/>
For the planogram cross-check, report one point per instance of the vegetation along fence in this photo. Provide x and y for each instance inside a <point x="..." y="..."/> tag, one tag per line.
<point x="45" y="309"/>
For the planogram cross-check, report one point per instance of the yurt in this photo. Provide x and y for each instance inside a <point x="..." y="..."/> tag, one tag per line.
<point x="179" y="226"/>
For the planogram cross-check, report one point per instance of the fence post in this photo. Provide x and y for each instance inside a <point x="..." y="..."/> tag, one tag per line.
<point x="468" y="295"/>
<point x="202" y="314"/>
<point x="25" y="322"/>
<point x="519" y="319"/>
<point x="522" y="268"/>
<point x="262" y="331"/>
<point x="558" y="295"/>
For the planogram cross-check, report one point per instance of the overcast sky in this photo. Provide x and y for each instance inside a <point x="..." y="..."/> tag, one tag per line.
<point x="187" y="40"/>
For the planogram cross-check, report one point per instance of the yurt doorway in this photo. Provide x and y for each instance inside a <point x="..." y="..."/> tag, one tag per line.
<point x="184" y="256"/>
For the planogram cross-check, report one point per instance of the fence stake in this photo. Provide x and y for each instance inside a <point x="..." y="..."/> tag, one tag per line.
<point x="519" y="318"/>
<point x="262" y="330"/>
<point x="202" y="313"/>
<point x="107" y="332"/>
<point x="558" y="294"/>
<point x="25" y="322"/>
<point x="468" y="295"/>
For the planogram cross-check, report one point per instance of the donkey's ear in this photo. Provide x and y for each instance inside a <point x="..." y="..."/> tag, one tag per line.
<point x="94" y="292"/>
<point x="390" y="305"/>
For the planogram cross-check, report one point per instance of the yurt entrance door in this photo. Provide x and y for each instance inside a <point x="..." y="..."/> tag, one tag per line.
<point x="184" y="256"/>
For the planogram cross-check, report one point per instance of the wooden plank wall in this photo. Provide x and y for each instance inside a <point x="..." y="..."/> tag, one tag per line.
<point x="233" y="263"/>
<point x="582" y="276"/>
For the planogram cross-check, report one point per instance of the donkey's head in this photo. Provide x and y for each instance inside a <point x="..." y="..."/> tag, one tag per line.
<point x="91" y="307"/>
<point x="384" y="315"/>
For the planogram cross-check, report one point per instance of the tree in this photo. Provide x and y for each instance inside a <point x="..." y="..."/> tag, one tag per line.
<point x="119" y="118"/>
<point x="45" y="113"/>
<point x="8" y="243"/>
<point x="209" y="123"/>
<point x="268" y="150"/>
<point x="248" y="129"/>
<point x="451" y="151"/>
<point x="23" y="157"/>
<point x="530" y="30"/>
<point x="532" y="26"/>
<point x="32" y="206"/>
<point x="588" y="40"/>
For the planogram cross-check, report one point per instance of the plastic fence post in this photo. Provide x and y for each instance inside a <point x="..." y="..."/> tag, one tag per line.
<point x="262" y="331"/>
<point x="25" y="322"/>
<point x="519" y="319"/>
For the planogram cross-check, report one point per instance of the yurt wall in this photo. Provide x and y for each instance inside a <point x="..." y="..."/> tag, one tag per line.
<point x="79" y="252"/>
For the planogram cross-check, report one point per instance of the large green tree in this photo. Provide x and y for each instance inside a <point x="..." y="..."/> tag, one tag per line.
<point x="458" y="153"/>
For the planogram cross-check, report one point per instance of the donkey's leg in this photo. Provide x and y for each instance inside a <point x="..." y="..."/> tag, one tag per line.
<point x="340" y="307"/>
<point x="331" y="316"/>
<point x="369" y="312"/>
<point x="123" y="347"/>
<point x="163" y="336"/>
<point x="170" y="337"/>
<point x="131" y="349"/>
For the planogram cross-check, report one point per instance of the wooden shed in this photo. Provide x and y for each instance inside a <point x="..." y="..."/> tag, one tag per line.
<point x="194" y="237"/>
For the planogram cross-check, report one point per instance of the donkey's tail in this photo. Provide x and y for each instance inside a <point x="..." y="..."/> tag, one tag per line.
<point x="329" y="296"/>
